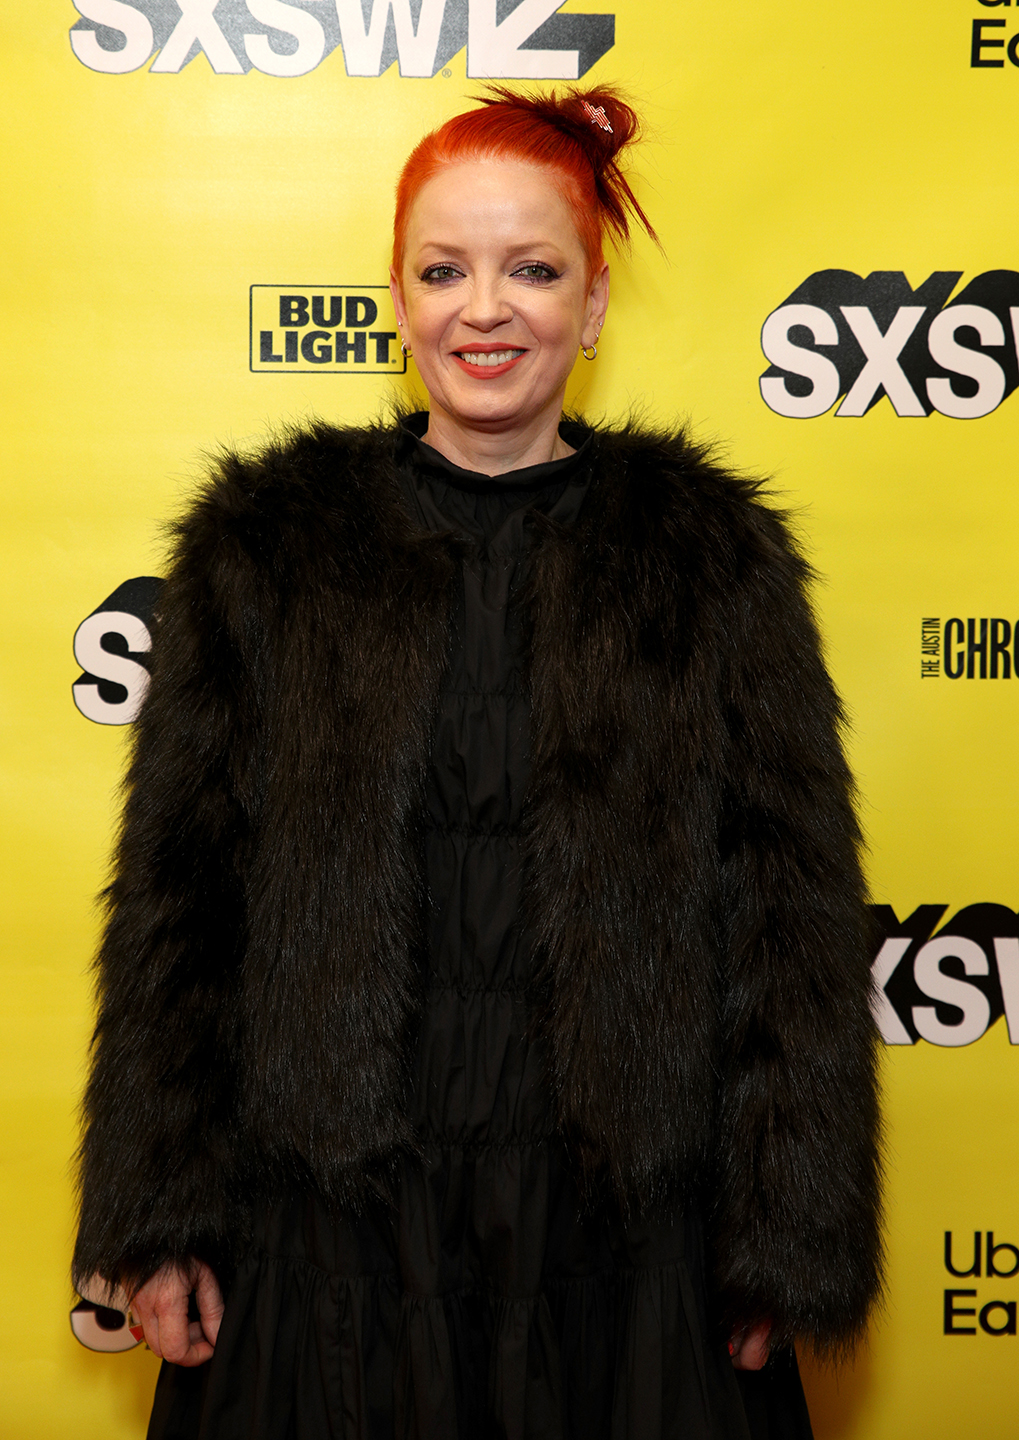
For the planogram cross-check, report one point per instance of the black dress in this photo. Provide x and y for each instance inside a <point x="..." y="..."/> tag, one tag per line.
<point x="491" y="1302"/>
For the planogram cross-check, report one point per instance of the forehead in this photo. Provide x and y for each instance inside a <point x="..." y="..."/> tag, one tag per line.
<point x="491" y="199"/>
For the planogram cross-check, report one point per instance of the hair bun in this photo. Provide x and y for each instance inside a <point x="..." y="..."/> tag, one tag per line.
<point x="602" y="125"/>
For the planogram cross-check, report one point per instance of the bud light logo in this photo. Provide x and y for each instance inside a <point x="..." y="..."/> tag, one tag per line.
<point x="324" y="330"/>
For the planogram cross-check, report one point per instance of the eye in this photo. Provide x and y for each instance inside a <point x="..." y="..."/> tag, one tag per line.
<point x="436" y="274"/>
<point x="536" y="270"/>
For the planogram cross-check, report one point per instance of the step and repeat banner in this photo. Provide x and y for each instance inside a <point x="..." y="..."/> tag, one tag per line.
<point x="197" y="209"/>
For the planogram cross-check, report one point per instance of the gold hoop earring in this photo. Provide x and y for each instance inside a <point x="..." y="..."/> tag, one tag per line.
<point x="585" y="348"/>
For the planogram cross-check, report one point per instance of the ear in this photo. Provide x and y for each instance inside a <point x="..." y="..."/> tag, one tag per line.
<point x="597" y="305"/>
<point x="396" y="290"/>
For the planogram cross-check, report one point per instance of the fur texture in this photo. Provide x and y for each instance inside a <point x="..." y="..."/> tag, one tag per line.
<point x="692" y="872"/>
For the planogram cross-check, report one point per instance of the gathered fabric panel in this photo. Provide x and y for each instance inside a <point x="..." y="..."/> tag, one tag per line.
<point x="306" y="1351"/>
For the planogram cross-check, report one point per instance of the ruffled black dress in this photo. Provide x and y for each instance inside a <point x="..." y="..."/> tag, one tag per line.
<point x="492" y="1303"/>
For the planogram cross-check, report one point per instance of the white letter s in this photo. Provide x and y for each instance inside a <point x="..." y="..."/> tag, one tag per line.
<point x="818" y="369"/>
<point x="94" y="660"/>
<point x="132" y="24"/>
<point x="306" y="30"/>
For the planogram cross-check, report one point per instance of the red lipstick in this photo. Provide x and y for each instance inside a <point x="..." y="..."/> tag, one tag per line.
<point x="489" y="371"/>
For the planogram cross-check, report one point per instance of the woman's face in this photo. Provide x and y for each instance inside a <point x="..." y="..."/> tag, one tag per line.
<point x="494" y="294"/>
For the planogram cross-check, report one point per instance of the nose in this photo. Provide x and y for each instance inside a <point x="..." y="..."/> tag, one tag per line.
<point x="486" y="306"/>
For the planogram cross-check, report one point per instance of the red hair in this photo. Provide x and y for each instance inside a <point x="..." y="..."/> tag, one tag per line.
<point x="567" y="133"/>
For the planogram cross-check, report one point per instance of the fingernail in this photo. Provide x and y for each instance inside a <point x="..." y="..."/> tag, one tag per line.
<point x="732" y="1348"/>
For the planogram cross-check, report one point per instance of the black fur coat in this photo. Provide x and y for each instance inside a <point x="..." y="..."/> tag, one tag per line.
<point x="692" y="876"/>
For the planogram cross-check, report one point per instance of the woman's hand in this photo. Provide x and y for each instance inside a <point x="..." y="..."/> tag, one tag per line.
<point x="161" y="1307"/>
<point x="749" y="1348"/>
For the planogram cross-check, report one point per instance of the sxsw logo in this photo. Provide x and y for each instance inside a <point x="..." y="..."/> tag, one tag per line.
<point x="112" y="647"/>
<point x="838" y="335"/>
<point x="527" y="40"/>
<point x="321" y="329"/>
<point x="947" y="988"/>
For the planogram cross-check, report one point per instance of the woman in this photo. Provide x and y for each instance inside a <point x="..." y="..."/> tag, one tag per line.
<point x="484" y="1001"/>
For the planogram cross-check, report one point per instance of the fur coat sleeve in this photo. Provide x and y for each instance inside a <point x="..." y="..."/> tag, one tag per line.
<point x="797" y="1215"/>
<point x="156" y="1167"/>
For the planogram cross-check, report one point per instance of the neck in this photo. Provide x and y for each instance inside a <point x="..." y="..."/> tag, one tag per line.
<point x="496" y="450"/>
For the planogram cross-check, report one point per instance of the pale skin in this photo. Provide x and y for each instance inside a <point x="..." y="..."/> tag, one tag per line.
<point x="494" y="267"/>
<point x="161" y="1308"/>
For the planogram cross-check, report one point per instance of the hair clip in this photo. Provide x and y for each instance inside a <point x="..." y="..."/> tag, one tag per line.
<point x="596" y="115"/>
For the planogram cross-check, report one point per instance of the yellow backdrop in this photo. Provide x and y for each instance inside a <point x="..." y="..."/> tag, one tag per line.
<point x="178" y="172"/>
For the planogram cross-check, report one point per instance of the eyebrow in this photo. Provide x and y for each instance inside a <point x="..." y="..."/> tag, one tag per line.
<point x="524" y="248"/>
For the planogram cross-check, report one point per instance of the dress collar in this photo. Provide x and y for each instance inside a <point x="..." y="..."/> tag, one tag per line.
<point x="430" y="461"/>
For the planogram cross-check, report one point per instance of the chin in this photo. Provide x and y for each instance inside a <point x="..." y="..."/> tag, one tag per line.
<point x="505" y="409"/>
<point x="493" y="414"/>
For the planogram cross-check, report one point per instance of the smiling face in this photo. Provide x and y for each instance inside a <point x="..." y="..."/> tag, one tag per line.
<point x="495" y="297"/>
